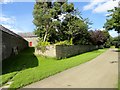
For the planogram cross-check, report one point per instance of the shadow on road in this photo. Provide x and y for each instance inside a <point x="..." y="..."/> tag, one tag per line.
<point x="116" y="50"/>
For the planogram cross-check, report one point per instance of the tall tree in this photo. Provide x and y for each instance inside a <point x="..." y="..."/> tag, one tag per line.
<point x="74" y="28"/>
<point x="50" y="27"/>
<point x="113" y="22"/>
<point x="42" y="17"/>
<point x="46" y="17"/>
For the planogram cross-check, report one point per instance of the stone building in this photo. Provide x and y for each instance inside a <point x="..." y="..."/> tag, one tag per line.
<point x="30" y="37"/>
<point x="11" y="43"/>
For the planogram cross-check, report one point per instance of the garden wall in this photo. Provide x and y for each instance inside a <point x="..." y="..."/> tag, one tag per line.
<point x="50" y="51"/>
<point x="63" y="51"/>
<point x="71" y="50"/>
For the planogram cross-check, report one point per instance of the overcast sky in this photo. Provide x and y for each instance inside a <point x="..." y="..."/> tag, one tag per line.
<point x="17" y="16"/>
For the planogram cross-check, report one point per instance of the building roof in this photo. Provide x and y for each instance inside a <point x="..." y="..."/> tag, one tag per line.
<point x="27" y="34"/>
<point x="2" y="28"/>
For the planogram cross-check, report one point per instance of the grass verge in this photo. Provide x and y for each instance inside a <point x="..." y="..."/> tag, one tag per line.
<point x="27" y="68"/>
<point x="118" y="70"/>
<point x="119" y="84"/>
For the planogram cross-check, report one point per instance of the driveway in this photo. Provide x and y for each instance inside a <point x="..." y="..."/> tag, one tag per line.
<point x="101" y="72"/>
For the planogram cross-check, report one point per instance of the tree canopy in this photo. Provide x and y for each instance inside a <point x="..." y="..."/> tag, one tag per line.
<point x="99" y="37"/>
<point x="113" y="21"/>
<point x="59" y="21"/>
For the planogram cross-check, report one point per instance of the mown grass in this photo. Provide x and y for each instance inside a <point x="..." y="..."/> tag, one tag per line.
<point x="118" y="85"/>
<point x="118" y="70"/>
<point x="27" y="68"/>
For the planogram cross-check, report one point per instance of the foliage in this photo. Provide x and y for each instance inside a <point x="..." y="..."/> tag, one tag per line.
<point x="116" y="41"/>
<point x="49" y="26"/>
<point x="46" y="18"/>
<point x="75" y="28"/>
<point x="119" y="84"/>
<point x="42" y="17"/>
<point x="39" y="67"/>
<point x="42" y="45"/>
<point x="113" y="22"/>
<point x="98" y="37"/>
<point x="107" y="44"/>
<point x="66" y="42"/>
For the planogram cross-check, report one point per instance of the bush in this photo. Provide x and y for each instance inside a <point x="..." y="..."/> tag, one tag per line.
<point x="66" y="42"/>
<point x="107" y="44"/>
<point x="42" y="45"/>
<point x="117" y="45"/>
<point x="100" y="46"/>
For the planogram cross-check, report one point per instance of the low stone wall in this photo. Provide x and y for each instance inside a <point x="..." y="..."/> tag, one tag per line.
<point x="60" y="51"/>
<point x="50" y="51"/>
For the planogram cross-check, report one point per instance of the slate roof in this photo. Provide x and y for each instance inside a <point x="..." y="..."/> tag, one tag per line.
<point x="27" y="35"/>
<point x="2" y="28"/>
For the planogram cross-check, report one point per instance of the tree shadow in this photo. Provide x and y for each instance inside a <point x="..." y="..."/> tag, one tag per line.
<point x="24" y="60"/>
<point x="116" y="50"/>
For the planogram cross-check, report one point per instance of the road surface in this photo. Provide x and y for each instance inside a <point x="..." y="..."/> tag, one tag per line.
<point x="101" y="72"/>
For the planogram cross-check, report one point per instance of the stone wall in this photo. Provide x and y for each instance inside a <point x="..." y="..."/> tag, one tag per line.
<point x="71" y="50"/>
<point x="11" y="44"/>
<point x="60" y="51"/>
<point x="50" y="51"/>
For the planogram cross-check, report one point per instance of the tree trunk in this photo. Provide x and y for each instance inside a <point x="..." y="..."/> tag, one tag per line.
<point x="46" y="33"/>
<point x="45" y="36"/>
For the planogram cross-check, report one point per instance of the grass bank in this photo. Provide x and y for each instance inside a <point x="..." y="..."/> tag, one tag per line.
<point x="118" y="70"/>
<point x="27" y="68"/>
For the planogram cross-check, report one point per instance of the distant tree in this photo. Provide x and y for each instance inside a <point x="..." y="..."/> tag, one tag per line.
<point x="116" y="41"/>
<point x="98" y="37"/>
<point x="108" y="38"/>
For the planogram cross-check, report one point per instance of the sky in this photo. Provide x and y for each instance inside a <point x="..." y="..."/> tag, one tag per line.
<point x="17" y="15"/>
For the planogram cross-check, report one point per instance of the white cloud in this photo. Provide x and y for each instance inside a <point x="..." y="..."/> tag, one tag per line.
<point x="5" y="1"/>
<point x="3" y="19"/>
<point x="8" y="20"/>
<point x="106" y="6"/>
<point x="102" y="29"/>
<point x="92" y="4"/>
<point x="100" y="6"/>
<point x="12" y="28"/>
<point x="9" y="23"/>
<point x="11" y="1"/>
<point x="113" y="33"/>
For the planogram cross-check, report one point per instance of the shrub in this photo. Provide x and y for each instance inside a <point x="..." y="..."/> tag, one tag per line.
<point x="66" y="42"/>
<point x="117" y="45"/>
<point x="107" y="44"/>
<point x="42" y="45"/>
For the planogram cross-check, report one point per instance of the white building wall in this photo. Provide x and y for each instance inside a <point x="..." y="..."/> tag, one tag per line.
<point x="34" y="40"/>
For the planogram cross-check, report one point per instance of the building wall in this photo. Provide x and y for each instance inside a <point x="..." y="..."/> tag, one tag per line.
<point x="34" y="40"/>
<point x="0" y="48"/>
<point x="60" y="51"/>
<point x="12" y="44"/>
